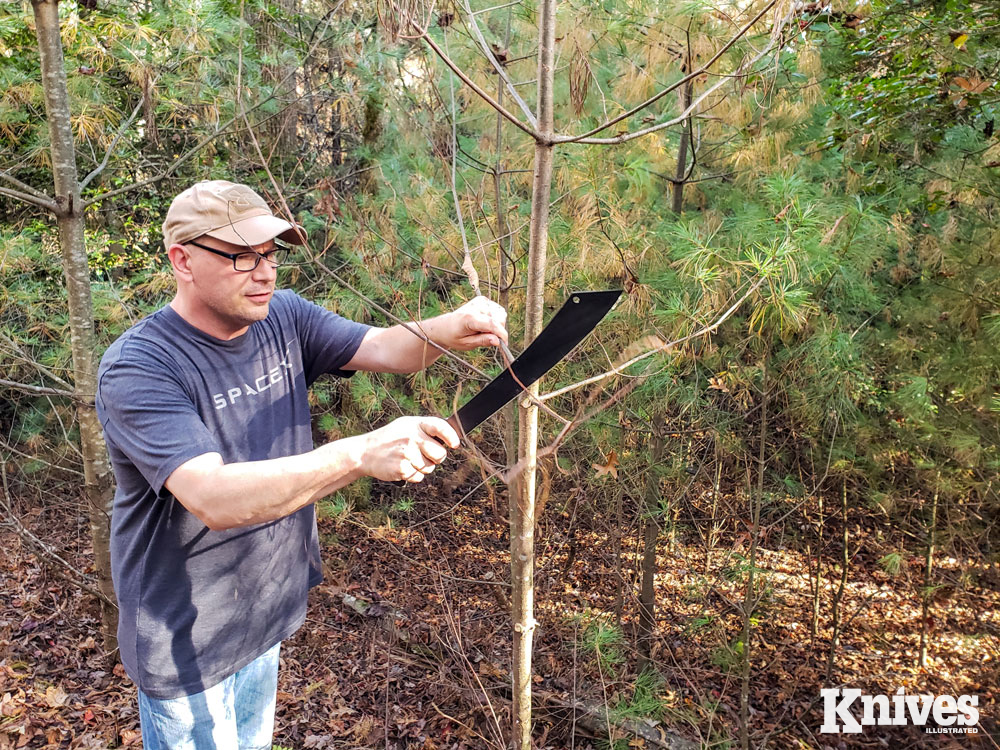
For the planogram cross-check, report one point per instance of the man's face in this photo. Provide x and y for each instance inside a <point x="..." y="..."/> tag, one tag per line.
<point x="227" y="299"/>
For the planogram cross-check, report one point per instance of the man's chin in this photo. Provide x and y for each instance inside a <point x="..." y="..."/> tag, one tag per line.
<point x="253" y="312"/>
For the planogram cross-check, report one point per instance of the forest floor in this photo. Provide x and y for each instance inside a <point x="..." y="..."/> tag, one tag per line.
<point x="406" y="644"/>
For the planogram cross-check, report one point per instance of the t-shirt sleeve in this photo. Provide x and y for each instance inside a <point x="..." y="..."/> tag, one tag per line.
<point x="328" y="340"/>
<point x="149" y="417"/>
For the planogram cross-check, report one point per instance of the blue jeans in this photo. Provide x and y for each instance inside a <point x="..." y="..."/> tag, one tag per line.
<point x="236" y="713"/>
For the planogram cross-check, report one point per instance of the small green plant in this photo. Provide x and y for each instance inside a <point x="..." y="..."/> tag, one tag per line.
<point x="647" y="699"/>
<point x="402" y="505"/>
<point x="604" y="640"/>
<point x="892" y="563"/>
<point x="336" y="507"/>
<point x="698" y="623"/>
<point x="727" y="656"/>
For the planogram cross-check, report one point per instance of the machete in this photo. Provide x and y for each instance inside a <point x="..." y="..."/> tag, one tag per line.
<point x="578" y="316"/>
<point x="568" y="327"/>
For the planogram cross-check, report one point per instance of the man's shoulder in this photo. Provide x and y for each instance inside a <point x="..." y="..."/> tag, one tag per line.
<point x="147" y="340"/>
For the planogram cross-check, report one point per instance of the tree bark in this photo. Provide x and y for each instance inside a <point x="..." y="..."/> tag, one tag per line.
<point x="682" y="152"/>
<point x="69" y="218"/>
<point x="522" y="532"/>
<point x="750" y="599"/>
<point x="928" y="580"/>
<point x="651" y="531"/>
<point x="838" y="597"/>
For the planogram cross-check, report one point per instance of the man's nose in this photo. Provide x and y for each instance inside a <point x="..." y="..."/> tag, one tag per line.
<point x="264" y="271"/>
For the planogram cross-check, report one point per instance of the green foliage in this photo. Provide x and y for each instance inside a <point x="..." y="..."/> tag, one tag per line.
<point x="602" y="639"/>
<point x="892" y="563"/>
<point x="647" y="700"/>
<point x="728" y="656"/>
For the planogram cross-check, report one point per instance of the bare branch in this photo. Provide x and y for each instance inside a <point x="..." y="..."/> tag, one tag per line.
<point x="467" y="265"/>
<point x="656" y="97"/>
<point x="38" y="366"/>
<point x="624" y="137"/>
<point x="37" y="390"/>
<point x="501" y="71"/>
<point x="47" y="204"/>
<point x="111" y="146"/>
<point x="35" y="192"/>
<point x="422" y="34"/>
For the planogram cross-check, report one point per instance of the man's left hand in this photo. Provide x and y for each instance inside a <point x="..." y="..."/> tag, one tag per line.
<point x="479" y="322"/>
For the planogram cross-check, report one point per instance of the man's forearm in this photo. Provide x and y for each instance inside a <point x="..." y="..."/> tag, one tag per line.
<point x="225" y="496"/>
<point x="405" y="348"/>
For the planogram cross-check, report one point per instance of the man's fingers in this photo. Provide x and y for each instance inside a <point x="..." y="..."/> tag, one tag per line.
<point x="439" y="428"/>
<point x="433" y="451"/>
<point x="488" y="324"/>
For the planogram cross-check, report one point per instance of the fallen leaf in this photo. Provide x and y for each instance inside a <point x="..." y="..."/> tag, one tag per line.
<point x="55" y="696"/>
<point x="611" y="467"/>
<point x="718" y="383"/>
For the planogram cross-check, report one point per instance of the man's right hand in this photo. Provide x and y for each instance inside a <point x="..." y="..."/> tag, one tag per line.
<point x="408" y="448"/>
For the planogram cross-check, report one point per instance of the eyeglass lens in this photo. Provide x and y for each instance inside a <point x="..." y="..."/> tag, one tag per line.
<point x="249" y="261"/>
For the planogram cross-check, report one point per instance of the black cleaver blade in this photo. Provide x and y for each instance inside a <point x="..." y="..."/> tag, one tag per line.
<point x="568" y="327"/>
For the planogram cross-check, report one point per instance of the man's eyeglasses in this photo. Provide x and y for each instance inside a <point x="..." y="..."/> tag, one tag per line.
<point x="247" y="261"/>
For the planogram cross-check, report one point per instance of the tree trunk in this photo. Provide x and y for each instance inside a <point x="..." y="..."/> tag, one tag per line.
<point x="682" y="152"/>
<point x="750" y="597"/>
<point x="928" y="579"/>
<point x="522" y="532"/>
<point x="69" y="217"/>
<point x="838" y="597"/>
<point x="617" y="524"/>
<point x="818" y="580"/>
<point x="713" y="528"/>
<point x="651" y="531"/>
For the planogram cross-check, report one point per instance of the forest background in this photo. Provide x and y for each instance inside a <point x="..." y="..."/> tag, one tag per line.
<point x="786" y="480"/>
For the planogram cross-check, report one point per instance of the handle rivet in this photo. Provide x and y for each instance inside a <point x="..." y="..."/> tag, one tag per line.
<point x="576" y="300"/>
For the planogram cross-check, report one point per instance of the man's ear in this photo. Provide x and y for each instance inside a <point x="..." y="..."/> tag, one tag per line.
<point x="180" y="260"/>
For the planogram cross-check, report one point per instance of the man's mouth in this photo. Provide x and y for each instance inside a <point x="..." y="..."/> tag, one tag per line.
<point x="260" y="296"/>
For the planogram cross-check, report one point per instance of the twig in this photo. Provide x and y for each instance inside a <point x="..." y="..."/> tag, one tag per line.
<point x="41" y="390"/>
<point x="467" y="264"/>
<point x="498" y="67"/>
<point x="422" y="34"/>
<point x="114" y="142"/>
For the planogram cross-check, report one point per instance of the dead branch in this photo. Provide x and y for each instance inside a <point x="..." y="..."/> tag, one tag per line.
<point x="38" y="390"/>
<point x="27" y="198"/>
<point x="663" y="348"/>
<point x="498" y="67"/>
<point x="584" y="414"/>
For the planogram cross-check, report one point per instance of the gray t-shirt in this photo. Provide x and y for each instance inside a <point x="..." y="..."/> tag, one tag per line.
<point x="198" y="605"/>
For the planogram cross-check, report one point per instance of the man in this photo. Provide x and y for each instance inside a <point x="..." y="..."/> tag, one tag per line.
<point x="204" y="408"/>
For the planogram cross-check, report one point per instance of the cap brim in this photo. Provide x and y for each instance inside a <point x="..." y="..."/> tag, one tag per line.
<point x="257" y="230"/>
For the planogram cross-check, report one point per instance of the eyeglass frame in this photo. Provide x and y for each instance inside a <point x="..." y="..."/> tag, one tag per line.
<point x="234" y="256"/>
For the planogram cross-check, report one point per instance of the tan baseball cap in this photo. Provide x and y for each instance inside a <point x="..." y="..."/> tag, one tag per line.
<point x="227" y="211"/>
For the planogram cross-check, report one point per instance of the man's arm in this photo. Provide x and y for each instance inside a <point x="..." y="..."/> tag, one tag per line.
<point x="226" y="496"/>
<point x="479" y="322"/>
